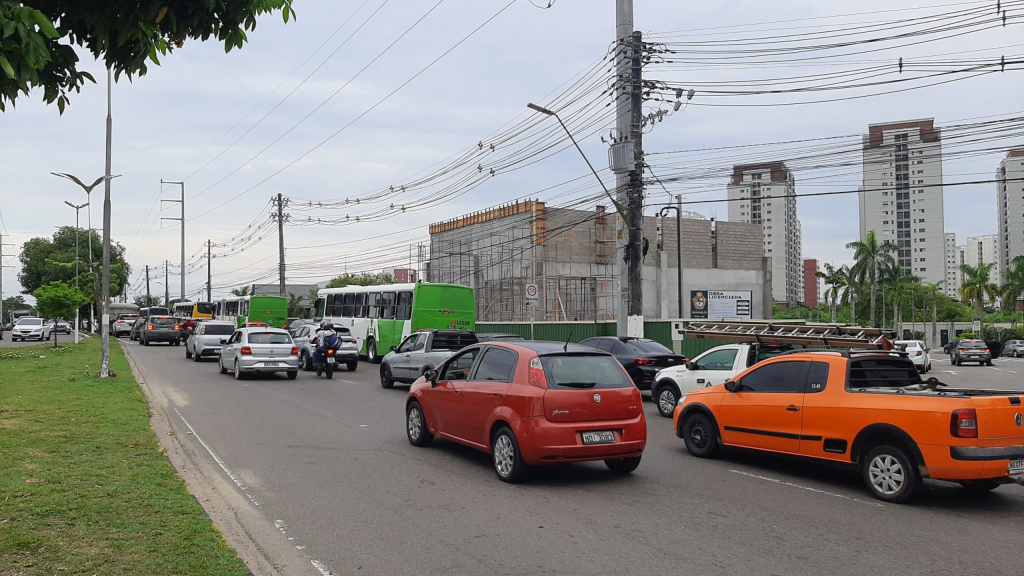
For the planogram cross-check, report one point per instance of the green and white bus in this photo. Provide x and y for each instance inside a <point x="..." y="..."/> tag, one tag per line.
<point x="381" y="316"/>
<point x="238" y="310"/>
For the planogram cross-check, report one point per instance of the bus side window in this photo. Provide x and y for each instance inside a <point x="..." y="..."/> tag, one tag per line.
<point x="359" y="308"/>
<point x="404" y="311"/>
<point x="346" y="310"/>
<point x="387" y="305"/>
<point x="330" y="305"/>
<point x="373" y="305"/>
<point x="321" y="308"/>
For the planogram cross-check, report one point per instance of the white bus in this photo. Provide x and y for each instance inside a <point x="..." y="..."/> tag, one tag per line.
<point x="380" y="317"/>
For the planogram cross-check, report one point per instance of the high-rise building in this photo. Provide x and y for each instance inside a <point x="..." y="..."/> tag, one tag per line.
<point x="981" y="250"/>
<point x="1010" y="208"/>
<point x="765" y="194"/>
<point x="952" y="283"/>
<point x="812" y="292"/>
<point x="901" y="199"/>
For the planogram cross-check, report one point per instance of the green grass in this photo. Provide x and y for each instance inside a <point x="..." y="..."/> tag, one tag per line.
<point x="85" y="487"/>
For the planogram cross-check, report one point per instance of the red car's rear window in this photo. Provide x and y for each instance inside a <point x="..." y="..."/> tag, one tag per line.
<point x="576" y="371"/>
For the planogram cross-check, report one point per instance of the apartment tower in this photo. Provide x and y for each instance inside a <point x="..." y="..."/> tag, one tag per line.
<point x="1010" y="208"/>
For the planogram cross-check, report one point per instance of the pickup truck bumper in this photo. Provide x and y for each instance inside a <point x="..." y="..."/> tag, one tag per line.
<point x="957" y="463"/>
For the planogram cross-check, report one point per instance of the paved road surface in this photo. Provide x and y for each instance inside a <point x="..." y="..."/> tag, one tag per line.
<point x="8" y="343"/>
<point x="328" y="463"/>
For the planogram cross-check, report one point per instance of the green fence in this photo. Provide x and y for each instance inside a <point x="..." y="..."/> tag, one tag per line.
<point x="658" y="330"/>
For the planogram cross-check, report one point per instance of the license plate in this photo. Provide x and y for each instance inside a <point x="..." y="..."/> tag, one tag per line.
<point x="601" y="437"/>
<point x="331" y="360"/>
<point x="1016" y="466"/>
<point x="270" y="364"/>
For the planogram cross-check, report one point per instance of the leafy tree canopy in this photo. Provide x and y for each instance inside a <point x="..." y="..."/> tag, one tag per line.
<point x="38" y="37"/>
<point x="359" y="280"/>
<point x="142" y="302"/>
<point x="58" y="300"/>
<point x="46" y="260"/>
<point x="15" y="303"/>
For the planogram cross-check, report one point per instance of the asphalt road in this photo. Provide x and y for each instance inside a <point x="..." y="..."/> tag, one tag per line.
<point x="327" y="463"/>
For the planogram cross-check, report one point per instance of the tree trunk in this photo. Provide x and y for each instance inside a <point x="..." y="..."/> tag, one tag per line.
<point x="896" y="320"/>
<point x="874" y="288"/>
<point x="853" y="311"/>
<point x="833" y="308"/>
<point x="935" y="319"/>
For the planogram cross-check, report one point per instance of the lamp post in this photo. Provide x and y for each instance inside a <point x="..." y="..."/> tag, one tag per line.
<point x="78" y="324"/>
<point x="88" y="191"/>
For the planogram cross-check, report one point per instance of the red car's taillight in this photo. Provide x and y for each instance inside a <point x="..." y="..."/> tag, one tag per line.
<point x="964" y="423"/>
<point x="537" y="376"/>
<point x="295" y="351"/>
<point x="246" y="351"/>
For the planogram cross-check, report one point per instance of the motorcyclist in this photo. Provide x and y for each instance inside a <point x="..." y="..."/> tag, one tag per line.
<point x="324" y="339"/>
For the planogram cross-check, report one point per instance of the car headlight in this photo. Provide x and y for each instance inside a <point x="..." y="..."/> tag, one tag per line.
<point x="681" y="400"/>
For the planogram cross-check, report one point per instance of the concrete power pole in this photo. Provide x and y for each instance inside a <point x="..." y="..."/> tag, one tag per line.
<point x="209" y="272"/>
<point x="280" y="242"/>
<point x="149" y="298"/>
<point x="182" y="220"/>
<point x="167" y="285"/>
<point x="2" y="282"/>
<point x="629" y="185"/>
<point x="105" y="315"/>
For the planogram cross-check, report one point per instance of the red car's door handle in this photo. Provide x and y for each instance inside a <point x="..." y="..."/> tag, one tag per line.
<point x="496" y="394"/>
<point x="792" y="408"/>
<point x="458" y="391"/>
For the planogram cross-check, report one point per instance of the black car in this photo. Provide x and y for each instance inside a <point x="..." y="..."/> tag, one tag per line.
<point x="970" y="351"/>
<point x="492" y="336"/>
<point x="292" y="325"/>
<point x="137" y="327"/>
<point x="948" y="348"/>
<point x="642" y="358"/>
<point x="160" y="329"/>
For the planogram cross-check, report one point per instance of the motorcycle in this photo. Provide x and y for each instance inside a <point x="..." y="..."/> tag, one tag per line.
<point x="328" y="363"/>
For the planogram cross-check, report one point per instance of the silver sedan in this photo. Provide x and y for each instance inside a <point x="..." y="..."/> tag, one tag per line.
<point x="259" y="350"/>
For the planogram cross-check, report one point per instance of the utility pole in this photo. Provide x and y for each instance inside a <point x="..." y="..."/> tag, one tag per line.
<point x="78" y="232"/>
<point x="105" y="316"/>
<point x="2" y="282"/>
<point x="280" y="242"/>
<point x="167" y="285"/>
<point x="149" y="298"/>
<point x="209" y="272"/>
<point x="182" y="220"/>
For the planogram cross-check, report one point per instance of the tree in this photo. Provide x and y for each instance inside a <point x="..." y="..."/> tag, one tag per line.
<point x="38" y="37"/>
<point x="872" y="258"/>
<point x="1013" y="284"/>
<point x="242" y="291"/>
<point x="46" y="260"/>
<point x="835" y="279"/>
<point x="15" y="303"/>
<point x="58" y="300"/>
<point x="359" y="280"/>
<point x="296" y="309"/>
<point x="977" y="287"/>
<point x="899" y="288"/>
<point x="933" y="292"/>
<point x="142" y="302"/>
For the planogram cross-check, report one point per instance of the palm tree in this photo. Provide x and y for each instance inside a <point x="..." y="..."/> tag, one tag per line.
<point x="835" y="279"/>
<point x="850" y="292"/>
<point x="899" y="289"/>
<point x="243" y="291"/>
<point x="295" y="307"/>
<point x="1013" y="284"/>
<point x="977" y="287"/>
<point x="934" y="291"/>
<point x="872" y="258"/>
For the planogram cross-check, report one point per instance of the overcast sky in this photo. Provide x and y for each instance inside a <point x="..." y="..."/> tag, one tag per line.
<point x="166" y="124"/>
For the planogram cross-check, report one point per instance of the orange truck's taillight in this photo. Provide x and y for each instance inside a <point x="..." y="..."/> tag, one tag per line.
<point x="963" y="423"/>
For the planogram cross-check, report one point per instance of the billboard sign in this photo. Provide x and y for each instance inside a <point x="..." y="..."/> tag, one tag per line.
<point x="721" y="304"/>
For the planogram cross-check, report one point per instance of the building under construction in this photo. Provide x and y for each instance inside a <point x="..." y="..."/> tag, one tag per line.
<point x="570" y="255"/>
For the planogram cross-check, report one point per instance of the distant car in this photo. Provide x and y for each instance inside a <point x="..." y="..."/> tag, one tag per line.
<point x="138" y="327"/>
<point x="531" y="404"/>
<point x="207" y="339"/>
<point x="123" y="325"/>
<point x="34" y="328"/>
<point x="948" y="348"/>
<point x="642" y="358"/>
<point x="259" y="350"/>
<point x="1013" y="348"/>
<point x="347" y="352"/>
<point x="255" y="324"/>
<point x="160" y="329"/>
<point x="294" y="324"/>
<point x="970" y="351"/>
<point x="62" y="327"/>
<point x="421" y="351"/>
<point x="497" y="336"/>
<point x="918" y="353"/>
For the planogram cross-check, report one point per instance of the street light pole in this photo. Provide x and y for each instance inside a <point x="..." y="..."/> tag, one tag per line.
<point x="78" y="230"/>
<point x="105" y="316"/>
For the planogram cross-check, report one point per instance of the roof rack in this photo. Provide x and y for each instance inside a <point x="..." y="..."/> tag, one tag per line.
<point x="824" y="335"/>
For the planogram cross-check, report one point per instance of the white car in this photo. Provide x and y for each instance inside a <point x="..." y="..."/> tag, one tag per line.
<point x="34" y="328"/>
<point x="918" y="352"/>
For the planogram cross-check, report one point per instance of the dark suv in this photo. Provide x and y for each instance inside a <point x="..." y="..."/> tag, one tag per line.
<point x="642" y="358"/>
<point x="970" y="351"/>
<point x="160" y="329"/>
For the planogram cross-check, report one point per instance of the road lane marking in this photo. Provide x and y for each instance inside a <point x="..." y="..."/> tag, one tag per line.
<point x="950" y="372"/>
<point x="238" y="482"/>
<point x="280" y="525"/>
<point x="792" y="485"/>
<point x="994" y="368"/>
<point x="1011" y="371"/>
<point x="320" y="566"/>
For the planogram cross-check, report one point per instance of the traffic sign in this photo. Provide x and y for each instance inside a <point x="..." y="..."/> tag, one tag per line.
<point x="532" y="296"/>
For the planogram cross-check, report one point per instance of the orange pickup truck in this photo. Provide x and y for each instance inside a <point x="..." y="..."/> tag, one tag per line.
<point x="866" y="408"/>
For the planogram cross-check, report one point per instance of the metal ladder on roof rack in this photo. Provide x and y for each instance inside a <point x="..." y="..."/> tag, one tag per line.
<point x="825" y="335"/>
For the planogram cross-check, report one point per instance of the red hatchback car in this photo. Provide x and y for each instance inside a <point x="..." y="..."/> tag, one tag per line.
<point x="531" y="404"/>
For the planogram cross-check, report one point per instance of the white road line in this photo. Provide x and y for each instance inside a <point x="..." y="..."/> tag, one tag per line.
<point x="320" y="566"/>
<point x="316" y="563"/>
<point x="219" y="462"/>
<point x="950" y="372"/>
<point x="825" y="492"/>
<point x="1011" y="371"/>
<point x="994" y="368"/>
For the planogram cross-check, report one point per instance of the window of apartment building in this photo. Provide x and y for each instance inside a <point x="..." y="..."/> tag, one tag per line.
<point x="900" y="137"/>
<point x="755" y="176"/>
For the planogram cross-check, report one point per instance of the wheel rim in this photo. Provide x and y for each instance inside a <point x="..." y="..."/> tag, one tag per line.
<point x="238" y="371"/>
<point x="415" y="423"/>
<point x="371" y="350"/>
<point x="504" y="455"/>
<point x="698" y="435"/>
<point x="666" y="401"/>
<point x="385" y="376"/>
<point x="886" y="474"/>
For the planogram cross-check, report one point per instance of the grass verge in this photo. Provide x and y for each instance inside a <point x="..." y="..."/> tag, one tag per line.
<point x="84" y="485"/>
